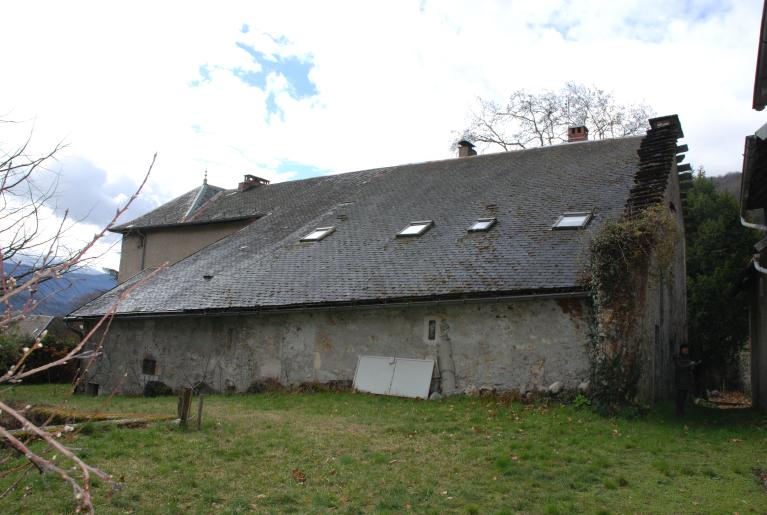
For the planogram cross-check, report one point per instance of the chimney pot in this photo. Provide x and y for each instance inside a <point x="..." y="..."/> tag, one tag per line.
<point x="466" y="149"/>
<point x="251" y="181"/>
<point x="580" y="133"/>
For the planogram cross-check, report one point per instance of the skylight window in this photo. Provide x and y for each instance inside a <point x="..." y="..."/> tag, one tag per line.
<point x="572" y="221"/>
<point x="416" y="228"/>
<point x="318" y="234"/>
<point x="482" y="224"/>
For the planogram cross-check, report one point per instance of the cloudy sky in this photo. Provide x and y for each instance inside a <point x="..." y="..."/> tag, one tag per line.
<point x="289" y="90"/>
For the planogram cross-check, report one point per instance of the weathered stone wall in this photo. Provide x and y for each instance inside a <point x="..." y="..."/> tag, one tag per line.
<point x="523" y="344"/>
<point x="153" y="247"/>
<point x="663" y="321"/>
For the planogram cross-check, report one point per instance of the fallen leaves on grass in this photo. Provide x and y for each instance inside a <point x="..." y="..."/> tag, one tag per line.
<point x="761" y="475"/>
<point x="730" y="399"/>
<point x="299" y="476"/>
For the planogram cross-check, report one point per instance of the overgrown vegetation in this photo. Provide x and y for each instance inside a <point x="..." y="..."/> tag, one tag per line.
<point x="352" y="453"/>
<point x="54" y="347"/>
<point x="718" y="251"/>
<point x="623" y="253"/>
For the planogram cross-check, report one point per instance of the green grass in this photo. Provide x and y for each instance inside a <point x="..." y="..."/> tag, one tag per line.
<point x="386" y="455"/>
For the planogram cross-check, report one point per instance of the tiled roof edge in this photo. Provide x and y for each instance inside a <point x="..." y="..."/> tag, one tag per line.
<point x="529" y="294"/>
<point x="657" y="155"/>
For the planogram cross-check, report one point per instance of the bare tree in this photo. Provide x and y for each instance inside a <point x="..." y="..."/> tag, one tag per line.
<point x="539" y="119"/>
<point x="22" y="206"/>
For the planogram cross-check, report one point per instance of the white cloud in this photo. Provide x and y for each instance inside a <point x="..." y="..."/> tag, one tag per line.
<point x="393" y="79"/>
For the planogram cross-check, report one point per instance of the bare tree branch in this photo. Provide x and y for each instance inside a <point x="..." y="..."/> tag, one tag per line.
<point x="24" y="231"/>
<point x="540" y="119"/>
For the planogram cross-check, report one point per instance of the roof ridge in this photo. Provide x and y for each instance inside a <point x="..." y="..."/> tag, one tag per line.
<point x="130" y="223"/>
<point x="454" y="158"/>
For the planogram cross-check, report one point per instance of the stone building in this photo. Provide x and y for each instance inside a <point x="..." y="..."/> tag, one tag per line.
<point x="753" y="199"/>
<point x="478" y="262"/>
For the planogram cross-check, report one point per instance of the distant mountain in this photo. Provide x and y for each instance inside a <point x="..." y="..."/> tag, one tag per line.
<point x="729" y="182"/>
<point x="59" y="297"/>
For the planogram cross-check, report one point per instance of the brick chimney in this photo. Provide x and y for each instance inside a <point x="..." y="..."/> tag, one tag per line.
<point x="251" y="181"/>
<point x="577" y="134"/>
<point x="466" y="149"/>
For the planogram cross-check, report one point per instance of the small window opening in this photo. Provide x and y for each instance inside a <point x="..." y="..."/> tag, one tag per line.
<point x="432" y="329"/>
<point x="482" y="224"/>
<point x="318" y="234"/>
<point x="92" y="389"/>
<point x="416" y="228"/>
<point x="149" y="366"/>
<point x="572" y="221"/>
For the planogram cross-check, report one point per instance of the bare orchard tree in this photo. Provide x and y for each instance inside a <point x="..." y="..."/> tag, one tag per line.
<point x="539" y="119"/>
<point x="22" y="203"/>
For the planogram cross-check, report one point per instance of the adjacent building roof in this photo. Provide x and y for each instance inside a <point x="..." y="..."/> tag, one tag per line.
<point x="760" y="81"/>
<point x="184" y="209"/>
<point x="30" y="326"/>
<point x="753" y="184"/>
<point x="267" y="266"/>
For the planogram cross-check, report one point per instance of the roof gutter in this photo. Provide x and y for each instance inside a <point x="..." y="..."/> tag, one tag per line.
<point x="745" y="179"/>
<point x="758" y="267"/>
<point x="123" y="229"/>
<point x="750" y="225"/>
<point x="326" y="307"/>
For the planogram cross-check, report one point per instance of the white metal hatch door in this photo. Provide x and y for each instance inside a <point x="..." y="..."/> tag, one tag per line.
<point x="403" y="377"/>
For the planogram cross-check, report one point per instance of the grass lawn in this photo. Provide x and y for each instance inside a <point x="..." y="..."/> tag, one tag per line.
<point x="361" y="453"/>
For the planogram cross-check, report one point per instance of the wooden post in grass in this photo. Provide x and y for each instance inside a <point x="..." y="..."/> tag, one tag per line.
<point x="185" y="401"/>
<point x="199" y="413"/>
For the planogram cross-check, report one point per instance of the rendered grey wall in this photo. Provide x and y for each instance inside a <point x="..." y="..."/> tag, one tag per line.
<point x="169" y="244"/>
<point x="524" y="345"/>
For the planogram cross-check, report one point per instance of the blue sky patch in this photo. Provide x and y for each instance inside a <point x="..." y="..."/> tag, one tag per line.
<point x="300" y="170"/>
<point x="204" y="75"/>
<point x="295" y="70"/>
<point x="703" y="10"/>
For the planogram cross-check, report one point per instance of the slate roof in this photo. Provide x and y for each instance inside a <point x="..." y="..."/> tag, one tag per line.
<point x="265" y="266"/>
<point x="30" y="326"/>
<point x="183" y="209"/>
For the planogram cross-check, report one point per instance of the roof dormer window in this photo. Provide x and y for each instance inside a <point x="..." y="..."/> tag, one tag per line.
<point x="416" y="228"/>
<point x="482" y="224"/>
<point x="572" y="221"/>
<point x="318" y="234"/>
